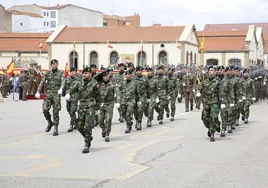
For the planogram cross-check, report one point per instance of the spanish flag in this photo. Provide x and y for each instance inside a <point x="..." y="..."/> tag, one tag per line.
<point x="109" y="44"/>
<point x="10" y="68"/>
<point x="202" y="45"/>
<point x="74" y="47"/>
<point x="40" y="45"/>
<point x="66" y="71"/>
<point x="177" y="44"/>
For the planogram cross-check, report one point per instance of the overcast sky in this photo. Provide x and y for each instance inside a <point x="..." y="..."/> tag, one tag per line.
<point x="172" y="12"/>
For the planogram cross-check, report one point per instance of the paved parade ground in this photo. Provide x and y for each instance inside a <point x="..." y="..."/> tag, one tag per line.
<point x="175" y="154"/>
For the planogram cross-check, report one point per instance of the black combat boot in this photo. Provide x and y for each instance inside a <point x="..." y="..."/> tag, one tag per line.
<point x="149" y="123"/>
<point x="237" y="122"/>
<point x="243" y="118"/>
<point x="128" y="130"/>
<point x="121" y="120"/>
<point x="209" y="134"/>
<point x="160" y="122"/>
<point x="107" y="139"/>
<point x="56" y="132"/>
<point x="192" y="107"/>
<point x="70" y="129"/>
<point x="246" y="120"/>
<point x="86" y="148"/>
<point x="218" y="129"/>
<point x="49" y="126"/>
<point x="103" y="134"/>
<point x="229" y="129"/>
<point x="233" y="127"/>
<point x="223" y="133"/>
<point x="139" y="126"/>
<point x="172" y="118"/>
<point x="167" y="115"/>
<point x="212" y="139"/>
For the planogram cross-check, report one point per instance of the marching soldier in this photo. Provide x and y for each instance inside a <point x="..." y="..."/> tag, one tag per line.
<point x="180" y="87"/>
<point x="173" y="93"/>
<point x="210" y="90"/>
<point x="189" y="81"/>
<point x="32" y="79"/>
<point x="5" y="83"/>
<point x="128" y="101"/>
<point x="106" y="104"/>
<point x="247" y="89"/>
<point x="71" y="86"/>
<point x="24" y="83"/>
<point x="55" y="81"/>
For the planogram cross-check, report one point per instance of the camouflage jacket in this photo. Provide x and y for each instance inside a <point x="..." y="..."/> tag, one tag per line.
<point x="88" y="94"/>
<point x="152" y="89"/>
<point x="162" y="86"/>
<point x="129" y="91"/>
<point x="71" y="85"/>
<point x="172" y="84"/>
<point x="55" y="81"/>
<point x="235" y="84"/>
<point x="210" y="91"/>
<point x="142" y="86"/>
<point x="247" y="87"/>
<point x="226" y="94"/>
<point x="189" y="82"/>
<point x="107" y="92"/>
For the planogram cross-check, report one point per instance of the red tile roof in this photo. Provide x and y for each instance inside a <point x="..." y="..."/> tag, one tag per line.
<point x="119" y="34"/>
<point x="25" y="13"/>
<point x="222" y="33"/>
<point x="54" y="7"/>
<point x="23" y="42"/>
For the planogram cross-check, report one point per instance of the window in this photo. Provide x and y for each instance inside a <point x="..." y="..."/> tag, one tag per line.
<point x="141" y="59"/>
<point x="47" y="14"/>
<point x="73" y="60"/>
<point x="93" y="58"/>
<point x="45" y="23"/>
<point x="52" y="24"/>
<point x="105" y="23"/>
<point x="162" y="58"/>
<point x="187" y="58"/>
<point x="52" y="14"/>
<point x="44" y="13"/>
<point x="21" y="24"/>
<point x="212" y="62"/>
<point x="113" y="58"/>
<point x="191" y="58"/>
<point x="235" y="62"/>
<point x="195" y="58"/>
<point x="51" y="31"/>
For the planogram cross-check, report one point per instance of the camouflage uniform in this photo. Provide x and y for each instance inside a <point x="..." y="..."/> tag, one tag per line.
<point x="247" y="91"/>
<point x="24" y="84"/>
<point x="199" y="79"/>
<point x="107" y="93"/>
<point x="5" y="84"/>
<point x="257" y="88"/>
<point x="180" y="87"/>
<point x="189" y="81"/>
<point x="71" y="85"/>
<point x="173" y="93"/>
<point x="210" y="90"/>
<point x="54" y="80"/>
<point x="237" y="100"/>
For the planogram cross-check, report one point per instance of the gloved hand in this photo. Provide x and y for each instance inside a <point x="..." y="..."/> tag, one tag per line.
<point x="168" y="97"/>
<point x="67" y="97"/>
<point x="223" y="106"/>
<point x="198" y="94"/>
<point x="157" y="100"/>
<point x="60" y="91"/>
<point x="37" y="95"/>
<point x="179" y="95"/>
<point x="193" y="90"/>
<point x="240" y="100"/>
<point x="264" y="83"/>
<point x="232" y="105"/>
<point x="117" y="105"/>
<point x="183" y="84"/>
<point x="244" y="98"/>
<point x="254" y="99"/>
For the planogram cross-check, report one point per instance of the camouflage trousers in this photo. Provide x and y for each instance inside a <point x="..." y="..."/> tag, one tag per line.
<point x="53" y="100"/>
<point x="139" y="109"/>
<point x="198" y="101"/>
<point x="149" y="109"/>
<point x="86" y="122"/>
<point x="71" y="107"/>
<point x="189" y="98"/>
<point x="210" y="115"/>
<point x="160" y="106"/>
<point x="226" y="116"/>
<point x="245" y="108"/>
<point x="236" y="112"/>
<point x="127" y="112"/>
<point x="172" y="102"/>
<point x="105" y="117"/>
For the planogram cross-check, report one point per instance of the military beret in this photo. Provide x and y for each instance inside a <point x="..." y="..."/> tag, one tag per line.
<point x="160" y="67"/>
<point x="139" y="68"/>
<point x="236" y="68"/>
<point x="73" y="69"/>
<point x="105" y="73"/>
<point x="130" y="65"/>
<point x="86" y="69"/>
<point x="188" y="67"/>
<point x="245" y="70"/>
<point x="121" y="65"/>
<point x="227" y="68"/>
<point x="211" y="67"/>
<point x="149" y="69"/>
<point x="54" y="61"/>
<point x="231" y="67"/>
<point x="93" y="66"/>
<point x="220" y="67"/>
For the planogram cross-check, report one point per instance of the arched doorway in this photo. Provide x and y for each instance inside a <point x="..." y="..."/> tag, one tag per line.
<point x="141" y="58"/>
<point x="194" y="58"/>
<point x="191" y="58"/>
<point x="187" y="58"/>
<point x="162" y="58"/>
<point x="212" y="62"/>
<point x="73" y="60"/>
<point x="93" y="58"/>
<point x="235" y="62"/>
<point x="113" y="58"/>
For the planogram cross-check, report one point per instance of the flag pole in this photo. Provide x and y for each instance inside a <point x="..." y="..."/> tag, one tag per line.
<point x="141" y="52"/>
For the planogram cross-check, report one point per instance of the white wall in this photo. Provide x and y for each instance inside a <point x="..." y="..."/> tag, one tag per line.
<point x="253" y="48"/>
<point x="79" y="17"/>
<point x="194" y="50"/>
<point x="260" y="50"/>
<point x="29" y="24"/>
<point x="61" y="52"/>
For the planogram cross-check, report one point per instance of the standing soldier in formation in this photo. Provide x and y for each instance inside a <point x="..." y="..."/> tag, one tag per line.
<point x="151" y="97"/>
<point x="71" y="86"/>
<point x="247" y="89"/>
<point x="128" y="101"/>
<point x="173" y="93"/>
<point x="32" y="79"/>
<point x="55" y="81"/>
<point x="24" y="84"/>
<point x="107" y="92"/>
<point x="162" y="94"/>
<point x="210" y="90"/>
<point x="141" y="97"/>
<point x="189" y="81"/>
<point x="5" y="83"/>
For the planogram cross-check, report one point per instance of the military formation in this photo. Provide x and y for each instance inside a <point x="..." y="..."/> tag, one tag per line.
<point x="138" y="93"/>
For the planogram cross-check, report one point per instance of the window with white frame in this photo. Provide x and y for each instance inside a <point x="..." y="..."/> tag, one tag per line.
<point x="52" y="14"/>
<point x="52" y="24"/>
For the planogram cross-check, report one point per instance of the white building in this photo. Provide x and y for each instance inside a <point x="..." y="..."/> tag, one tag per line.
<point x="226" y="48"/>
<point x="51" y="17"/>
<point x="141" y="45"/>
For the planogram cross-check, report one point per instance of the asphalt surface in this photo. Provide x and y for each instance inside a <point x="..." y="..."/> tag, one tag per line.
<point x="175" y="154"/>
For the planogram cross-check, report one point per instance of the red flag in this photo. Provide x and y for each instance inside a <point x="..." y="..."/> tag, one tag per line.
<point x="10" y="68"/>
<point x="177" y="44"/>
<point x="109" y="44"/>
<point x="66" y="71"/>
